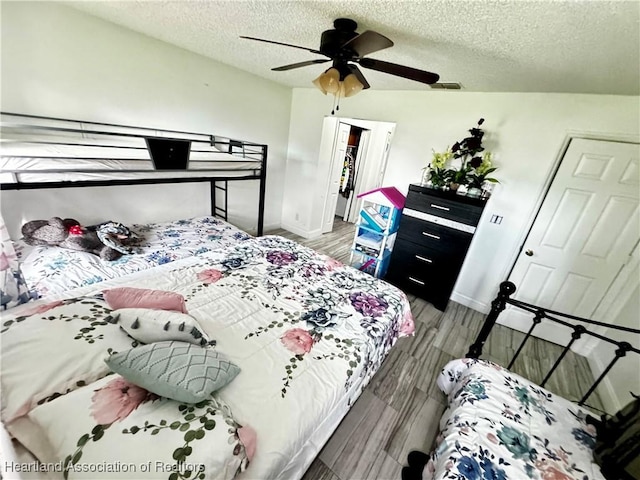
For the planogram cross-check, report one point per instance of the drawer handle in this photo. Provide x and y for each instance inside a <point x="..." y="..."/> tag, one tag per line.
<point x="440" y="207"/>
<point x="424" y="259"/>
<point x="431" y="235"/>
<point x="416" y="280"/>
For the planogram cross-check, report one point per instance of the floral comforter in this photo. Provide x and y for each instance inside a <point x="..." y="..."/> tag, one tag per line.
<point x="51" y="271"/>
<point x="500" y="426"/>
<point x="307" y="332"/>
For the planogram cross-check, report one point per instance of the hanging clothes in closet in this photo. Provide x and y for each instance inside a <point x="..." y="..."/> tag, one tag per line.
<point x="347" y="180"/>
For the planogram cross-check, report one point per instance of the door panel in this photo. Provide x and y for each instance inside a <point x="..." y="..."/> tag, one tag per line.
<point x="534" y="279"/>
<point x="337" y="162"/>
<point x="565" y="218"/>
<point x="614" y="225"/>
<point x="584" y="233"/>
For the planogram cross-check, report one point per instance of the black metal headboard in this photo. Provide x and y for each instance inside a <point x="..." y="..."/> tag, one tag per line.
<point x="48" y="152"/>
<point x="503" y="298"/>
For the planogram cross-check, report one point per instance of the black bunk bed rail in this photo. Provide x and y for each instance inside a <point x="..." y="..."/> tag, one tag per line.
<point x="49" y="152"/>
<point x="539" y="314"/>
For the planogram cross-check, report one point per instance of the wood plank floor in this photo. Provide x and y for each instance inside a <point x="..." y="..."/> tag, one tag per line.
<point x="400" y="409"/>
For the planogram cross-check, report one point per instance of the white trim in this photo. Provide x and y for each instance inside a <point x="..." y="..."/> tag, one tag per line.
<point x="605" y="389"/>
<point x="335" y="170"/>
<point x="317" y="233"/>
<point x="309" y="235"/>
<point x="470" y="302"/>
<point x="616" y="298"/>
<point x="271" y="226"/>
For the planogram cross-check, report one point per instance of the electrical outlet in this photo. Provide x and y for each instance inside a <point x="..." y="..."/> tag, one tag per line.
<point x="497" y="219"/>
<point x="297" y="217"/>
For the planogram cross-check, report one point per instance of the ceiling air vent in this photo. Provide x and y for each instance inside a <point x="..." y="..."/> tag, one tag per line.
<point x="446" y="86"/>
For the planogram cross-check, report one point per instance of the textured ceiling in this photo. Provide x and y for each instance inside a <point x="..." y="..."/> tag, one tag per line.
<point x="487" y="46"/>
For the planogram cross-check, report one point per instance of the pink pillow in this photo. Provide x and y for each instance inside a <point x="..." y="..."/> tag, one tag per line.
<point x="127" y="297"/>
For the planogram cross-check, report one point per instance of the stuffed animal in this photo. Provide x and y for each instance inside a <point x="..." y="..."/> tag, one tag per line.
<point x="69" y="234"/>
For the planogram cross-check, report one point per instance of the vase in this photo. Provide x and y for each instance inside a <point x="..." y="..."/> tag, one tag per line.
<point x="454" y="186"/>
<point x="487" y="189"/>
<point x="426" y="177"/>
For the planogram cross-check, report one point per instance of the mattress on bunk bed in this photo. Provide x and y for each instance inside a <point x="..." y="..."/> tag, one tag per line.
<point x="501" y="426"/>
<point x="306" y="331"/>
<point x="52" y="271"/>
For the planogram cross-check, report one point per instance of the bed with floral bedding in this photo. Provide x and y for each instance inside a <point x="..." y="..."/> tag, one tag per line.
<point x="501" y="426"/>
<point x="51" y="271"/>
<point x="306" y="332"/>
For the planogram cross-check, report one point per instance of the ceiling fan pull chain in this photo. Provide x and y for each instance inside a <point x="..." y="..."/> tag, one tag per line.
<point x="336" y="102"/>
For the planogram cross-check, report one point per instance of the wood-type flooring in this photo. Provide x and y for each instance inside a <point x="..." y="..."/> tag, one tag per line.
<point x="400" y="409"/>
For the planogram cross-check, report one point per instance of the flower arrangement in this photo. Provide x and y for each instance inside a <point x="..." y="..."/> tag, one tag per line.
<point x="479" y="175"/>
<point x="438" y="174"/>
<point x="474" y="166"/>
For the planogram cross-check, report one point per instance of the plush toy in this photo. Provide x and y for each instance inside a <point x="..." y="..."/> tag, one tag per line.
<point x="99" y="239"/>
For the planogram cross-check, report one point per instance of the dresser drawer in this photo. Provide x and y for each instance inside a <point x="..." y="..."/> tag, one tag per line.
<point x="431" y="234"/>
<point x="430" y="287"/>
<point x="426" y="262"/>
<point x="444" y="207"/>
<point x="440" y="256"/>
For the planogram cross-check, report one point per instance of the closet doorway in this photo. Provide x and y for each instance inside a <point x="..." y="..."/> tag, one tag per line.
<point x="357" y="159"/>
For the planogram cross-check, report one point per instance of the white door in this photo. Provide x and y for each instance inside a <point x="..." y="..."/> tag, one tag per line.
<point x="585" y="231"/>
<point x="337" y="163"/>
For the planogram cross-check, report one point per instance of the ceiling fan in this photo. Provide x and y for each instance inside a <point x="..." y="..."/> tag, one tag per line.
<point x="346" y="48"/>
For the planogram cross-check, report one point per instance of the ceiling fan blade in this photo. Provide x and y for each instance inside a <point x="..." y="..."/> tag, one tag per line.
<point x="400" y="70"/>
<point x="356" y="71"/>
<point x="300" y="64"/>
<point x="284" y="44"/>
<point x="368" y="42"/>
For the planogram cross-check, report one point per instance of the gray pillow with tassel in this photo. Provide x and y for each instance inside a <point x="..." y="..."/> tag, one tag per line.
<point x="150" y="326"/>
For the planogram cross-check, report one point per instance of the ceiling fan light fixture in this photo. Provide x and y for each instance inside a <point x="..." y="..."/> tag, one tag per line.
<point x="318" y="85"/>
<point x="330" y="80"/>
<point x="351" y="85"/>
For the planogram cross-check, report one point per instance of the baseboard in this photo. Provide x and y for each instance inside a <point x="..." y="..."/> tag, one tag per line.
<point x="606" y="391"/>
<point x="299" y="231"/>
<point x="314" y="234"/>
<point x="470" y="302"/>
<point x="271" y="226"/>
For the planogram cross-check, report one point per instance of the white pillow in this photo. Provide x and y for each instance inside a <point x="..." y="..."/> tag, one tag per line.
<point x="149" y="326"/>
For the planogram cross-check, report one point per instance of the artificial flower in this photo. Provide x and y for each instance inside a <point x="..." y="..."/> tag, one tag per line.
<point x="473" y="167"/>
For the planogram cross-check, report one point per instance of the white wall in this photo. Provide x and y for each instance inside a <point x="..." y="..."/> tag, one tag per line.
<point x="57" y="61"/>
<point x="525" y="131"/>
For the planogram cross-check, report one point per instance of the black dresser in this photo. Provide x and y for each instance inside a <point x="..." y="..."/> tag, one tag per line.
<point x="435" y="231"/>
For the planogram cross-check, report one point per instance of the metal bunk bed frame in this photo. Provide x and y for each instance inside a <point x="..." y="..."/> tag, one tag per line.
<point x="218" y="179"/>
